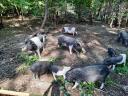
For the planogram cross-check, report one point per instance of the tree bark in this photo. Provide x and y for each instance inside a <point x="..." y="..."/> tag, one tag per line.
<point x="1" y="22"/>
<point x="45" y="16"/>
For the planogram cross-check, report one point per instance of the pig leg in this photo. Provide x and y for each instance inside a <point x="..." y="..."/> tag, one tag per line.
<point x="54" y="76"/>
<point x="38" y="75"/>
<point x="38" y="53"/>
<point x="70" y="49"/>
<point x="73" y="33"/>
<point x="34" y="75"/>
<point x="124" y="61"/>
<point x="24" y="48"/>
<point x="102" y="85"/>
<point x="76" y="33"/>
<point x="113" y="67"/>
<point x="59" y="44"/>
<point x="83" y="50"/>
<point x="75" y="85"/>
<point x="64" y="76"/>
<point x="103" y="82"/>
<point x="119" y="38"/>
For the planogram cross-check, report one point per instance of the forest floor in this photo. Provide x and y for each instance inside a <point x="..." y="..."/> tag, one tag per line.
<point x="95" y="39"/>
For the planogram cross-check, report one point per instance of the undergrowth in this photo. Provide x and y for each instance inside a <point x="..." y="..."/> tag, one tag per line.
<point x="110" y="81"/>
<point x="122" y="70"/>
<point x="86" y="89"/>
<point x="27" y="61"/>
<point x="55" y="59"/>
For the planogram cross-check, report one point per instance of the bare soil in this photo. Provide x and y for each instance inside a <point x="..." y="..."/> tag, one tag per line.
<point x="95" y="40"/>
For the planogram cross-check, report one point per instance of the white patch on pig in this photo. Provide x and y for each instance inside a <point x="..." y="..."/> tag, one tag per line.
<point x="102" y="86"/>
<point x="37" y="41"/>
<point x="61" y="72"/>
<point x="69" y="30"/>
<point x="123" y="60"/>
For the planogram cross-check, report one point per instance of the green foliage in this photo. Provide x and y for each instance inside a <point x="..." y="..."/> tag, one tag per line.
<point x="55" y="59"/>
<point x="62" y="83"/>
<point x="86" y="89"/>
<point x="110" y="81"/>
<point x="27" y="61"/>
<point x="122" y="69"/>
<point x="79" y="8"/>
<point x="22" y="69"/>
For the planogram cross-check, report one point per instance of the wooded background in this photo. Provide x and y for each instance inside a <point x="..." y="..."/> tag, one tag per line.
<point x="112" y="12"/>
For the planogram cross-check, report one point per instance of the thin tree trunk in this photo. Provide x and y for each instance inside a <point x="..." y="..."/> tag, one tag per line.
<point x="111" y="23"/>
<point x="90" y="18"/>
<point x="17" y="11"/>
<point x="45" y="16"/>
<point x="1" y="22"/>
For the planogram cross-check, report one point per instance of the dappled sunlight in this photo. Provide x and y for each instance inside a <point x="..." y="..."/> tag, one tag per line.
<point x="93" y="43"/>
<point x="97" y="50"/>
<point x="94" y="39"/>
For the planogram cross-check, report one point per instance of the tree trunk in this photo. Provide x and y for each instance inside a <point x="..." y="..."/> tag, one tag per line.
<point x="17" y="11"/>
<point x="111" y="23"/>
<point x="1" y="22"/>
<point x="45" y="16"/>
<point x="90" y="18"/>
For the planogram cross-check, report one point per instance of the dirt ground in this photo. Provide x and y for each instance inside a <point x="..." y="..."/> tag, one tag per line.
<point x="95" y="40"/>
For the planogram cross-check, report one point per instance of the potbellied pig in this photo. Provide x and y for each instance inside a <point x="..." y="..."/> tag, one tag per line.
<point x="120" y="59"/>
<point x="70" y="42"/>
<point x="41" y="67"/>
<point x="111" y="52"/>
<point x="88" y="74"/>
<point x="59" y="71"/>
<point x="69" y="30"/>
<point x="123" y="38"/>
<point x="35" y="44"/>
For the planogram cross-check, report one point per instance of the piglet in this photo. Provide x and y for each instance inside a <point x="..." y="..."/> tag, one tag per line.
<point x="69" y="30"/>
<point x="111" y="52"/>
<point x="59" y="71"/>
<point x="120" y="59"/>
<point x="40" y="68"/>
<point x="123" y="38"/>
<point x="70" y="42"/>
<point x="35" y="44"/>
<point x="88" y="74"/>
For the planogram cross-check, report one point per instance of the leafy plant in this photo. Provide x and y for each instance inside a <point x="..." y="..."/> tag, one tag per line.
<point x="122" y="70"/>
<point x="109" y="81"/>
<point x="54" y="59"/>
<point x="86" y="89"/>
<point x="27" y="61"/>
<point x="22" y="69"/>
<point x="62" y="82"/>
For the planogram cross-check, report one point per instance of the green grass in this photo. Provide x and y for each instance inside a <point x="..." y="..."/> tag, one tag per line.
<point x="110" y="81"/>
<point x="122" y="69"/>
<point x="27" y="61"/>
<point x="55" y="59"/>
<point x="86" y="89"/>
<point x="62" y="82"/>
<point x="22" y="69"/>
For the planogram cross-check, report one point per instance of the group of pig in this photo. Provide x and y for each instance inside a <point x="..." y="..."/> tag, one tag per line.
<point x="74" y="74"/>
